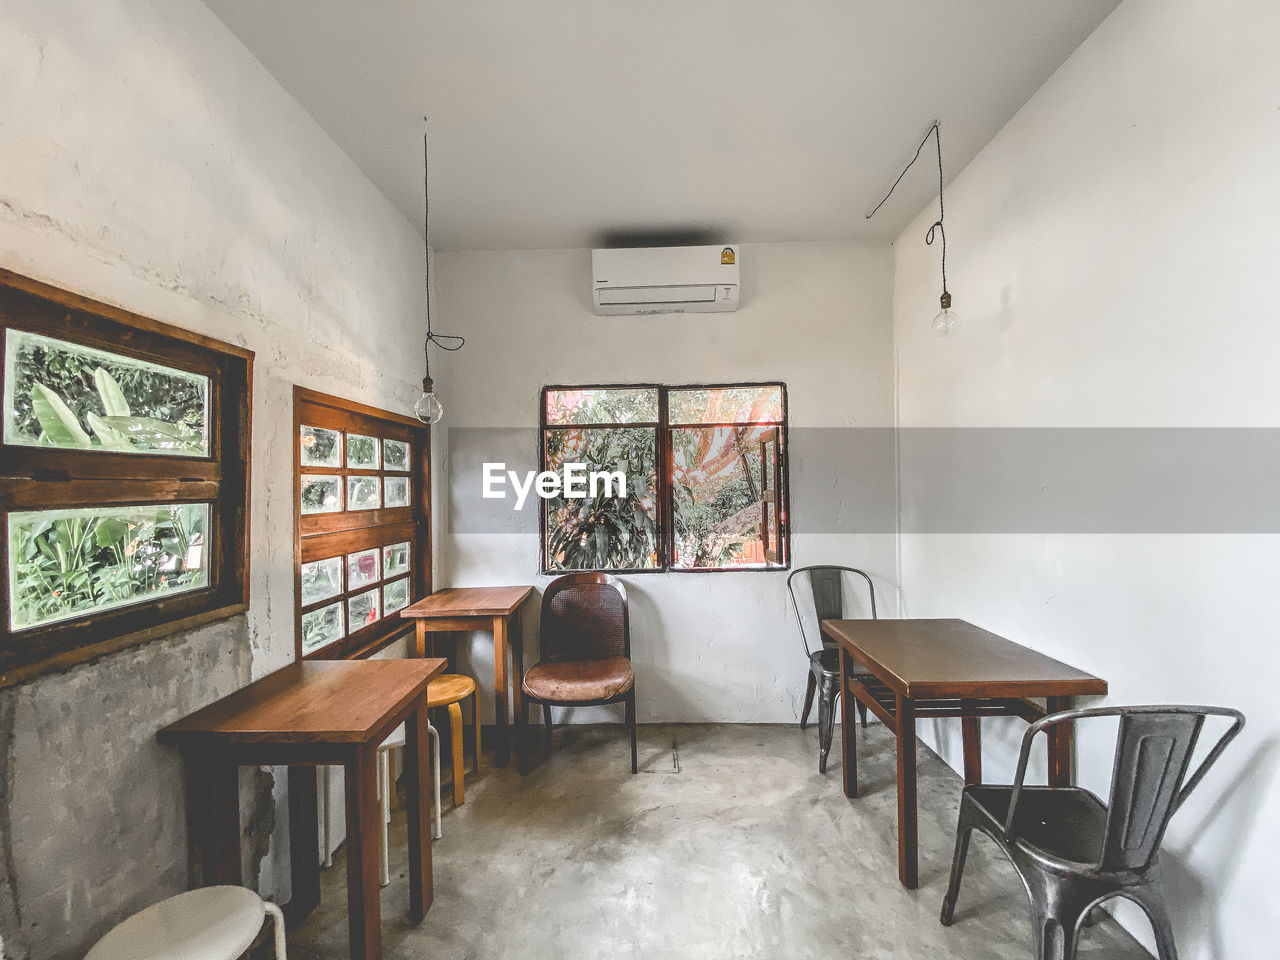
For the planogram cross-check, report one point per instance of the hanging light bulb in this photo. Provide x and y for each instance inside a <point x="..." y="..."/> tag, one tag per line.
<point x="946" y="318"/>
<point x="428" y="409"/>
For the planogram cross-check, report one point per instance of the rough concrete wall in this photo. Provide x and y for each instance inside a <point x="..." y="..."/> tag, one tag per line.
<point x="151" y="162"/>
<point x="75" y="849"/>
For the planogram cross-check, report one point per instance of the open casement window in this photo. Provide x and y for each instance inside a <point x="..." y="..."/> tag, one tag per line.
<point x="124" y="486"/>
<point x="773" y="513"/>
<point x="363" y="546"/>
<point x="705" y="470"/>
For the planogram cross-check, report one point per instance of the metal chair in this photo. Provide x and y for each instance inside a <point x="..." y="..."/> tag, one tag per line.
<point x="1072" y="851"/>
<point x="585" y="654"/>
<point x="826" y="585"/>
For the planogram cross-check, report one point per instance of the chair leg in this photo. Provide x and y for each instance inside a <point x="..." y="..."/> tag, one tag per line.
<point x="384" y="798"/>
<point x="862" y="712"/>
<point x="546" y="730"/>
<point x="522" y="733"/>
<point x="475" y="725"/>
<point x="631" y="722"/>
<point x="963" y="833"/>
<point x="326" y="854"/>
<point x="1152" y="902"/>
<point x="1056" y="938"/>
<point x="459" y="763"/>
<point x="277" y="926"/>
<point x="826" y="720"/>
<point x="435" y="759"/>
<point x="808" y="700"/>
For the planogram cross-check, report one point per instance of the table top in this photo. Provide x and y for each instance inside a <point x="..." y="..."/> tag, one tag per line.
<point x="952" y="658"/>
<point x="468" y="602"/>
<point x="312" y="701"/>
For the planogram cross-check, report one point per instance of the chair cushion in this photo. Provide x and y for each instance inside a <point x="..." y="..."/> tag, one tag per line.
<point x="578" y="681"/>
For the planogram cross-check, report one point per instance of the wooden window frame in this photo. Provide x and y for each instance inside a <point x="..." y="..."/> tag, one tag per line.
<point x="665" y="468"/>
<point x="43" y="478"/>
<point x="320" y="536"/>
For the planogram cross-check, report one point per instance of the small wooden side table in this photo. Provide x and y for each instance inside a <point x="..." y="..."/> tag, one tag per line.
<point x="494" y="609"/>
<point x="310" y="713"/>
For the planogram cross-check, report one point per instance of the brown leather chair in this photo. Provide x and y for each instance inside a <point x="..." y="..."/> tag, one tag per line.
<point x="584" y="654"/>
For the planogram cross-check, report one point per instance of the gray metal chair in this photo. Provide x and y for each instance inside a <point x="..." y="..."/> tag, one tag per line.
<point x="826" y="585"/>
<point x="1073" y="851"/>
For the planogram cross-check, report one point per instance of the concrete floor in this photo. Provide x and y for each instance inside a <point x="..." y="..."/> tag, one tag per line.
<point x="746" y="851"/>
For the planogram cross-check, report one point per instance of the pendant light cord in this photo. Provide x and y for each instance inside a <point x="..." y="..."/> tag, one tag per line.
<point x="439" y="339"/>
<point x="935" y="131"/>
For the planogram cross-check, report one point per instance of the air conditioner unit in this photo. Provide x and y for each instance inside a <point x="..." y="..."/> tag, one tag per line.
<point x="665" y="280"/>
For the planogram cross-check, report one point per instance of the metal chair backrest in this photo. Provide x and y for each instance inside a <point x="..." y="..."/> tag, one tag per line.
<point x="826" y="587"/>
<point x="1149" y="782"/>
<point x="584" y="617"/>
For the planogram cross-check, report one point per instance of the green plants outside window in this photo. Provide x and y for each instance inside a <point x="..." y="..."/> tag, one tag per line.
<point x="68" y="563"/>
<point x="65" y="395"/>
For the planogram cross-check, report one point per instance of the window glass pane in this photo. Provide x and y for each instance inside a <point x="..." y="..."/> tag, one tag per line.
<point x="603" y="405"/>
<point x="322" y="627"/>
<point x="68" y="563"/>
<point x="362" y="452"/>
<point x="725" y="404"/>
<point x="717" y="496"/>
<point x="395" y="455"/>
<point x="395" y="559"/>
<point x="321" y="579"/>
<point x="362" y="569"/>
<point x="321" y="494"/>
<point x="395" y="596"/>
<point x="62" y="394"/>
<point x="321" y="447"/>
<point x="364" y="493"/>
<point x="363" y="609"/>
<point x="397" y="492"/>
<point x="604" y="531"/>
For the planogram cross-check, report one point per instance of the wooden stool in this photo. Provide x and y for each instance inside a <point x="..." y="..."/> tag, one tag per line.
<point x="449" y="690"/>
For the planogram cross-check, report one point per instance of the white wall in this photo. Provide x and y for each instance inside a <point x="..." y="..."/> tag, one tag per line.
<point x="707" y="647"/>
<point x="151" y="162"/>
<point x="1113" y="251"/>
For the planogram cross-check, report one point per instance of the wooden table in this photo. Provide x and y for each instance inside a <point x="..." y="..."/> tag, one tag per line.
<point x="310" y="713"/>
<point x="493" y="609"/>
<point x="905" y="669"/>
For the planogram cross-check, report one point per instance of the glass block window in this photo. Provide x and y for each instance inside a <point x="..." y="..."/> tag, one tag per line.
<point x="362" y="536"/>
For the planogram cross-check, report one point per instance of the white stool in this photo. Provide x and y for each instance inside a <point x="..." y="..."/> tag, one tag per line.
<point x="212" y="923"/>
<point x="395" y="741"/>
<point x="385" y="788"/>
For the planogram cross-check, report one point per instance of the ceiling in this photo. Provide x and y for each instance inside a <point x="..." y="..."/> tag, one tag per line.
<point x="576" y="123"/>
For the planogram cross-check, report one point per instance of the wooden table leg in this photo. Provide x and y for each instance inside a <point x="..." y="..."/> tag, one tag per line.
<point x="908" y="839"/>
<point x="515" y="641"/>
<point x="304" y="840"/>
<point x="971" y="731"/>
<point x="418" y="778"/>
<point x="848" y="748"/>
<point x="420" y="639"/>
<point x="1060" y="748"/>
<point x="364" y="908"/>
<point x="500" y="688"/>
<point x="213" y="817"/>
